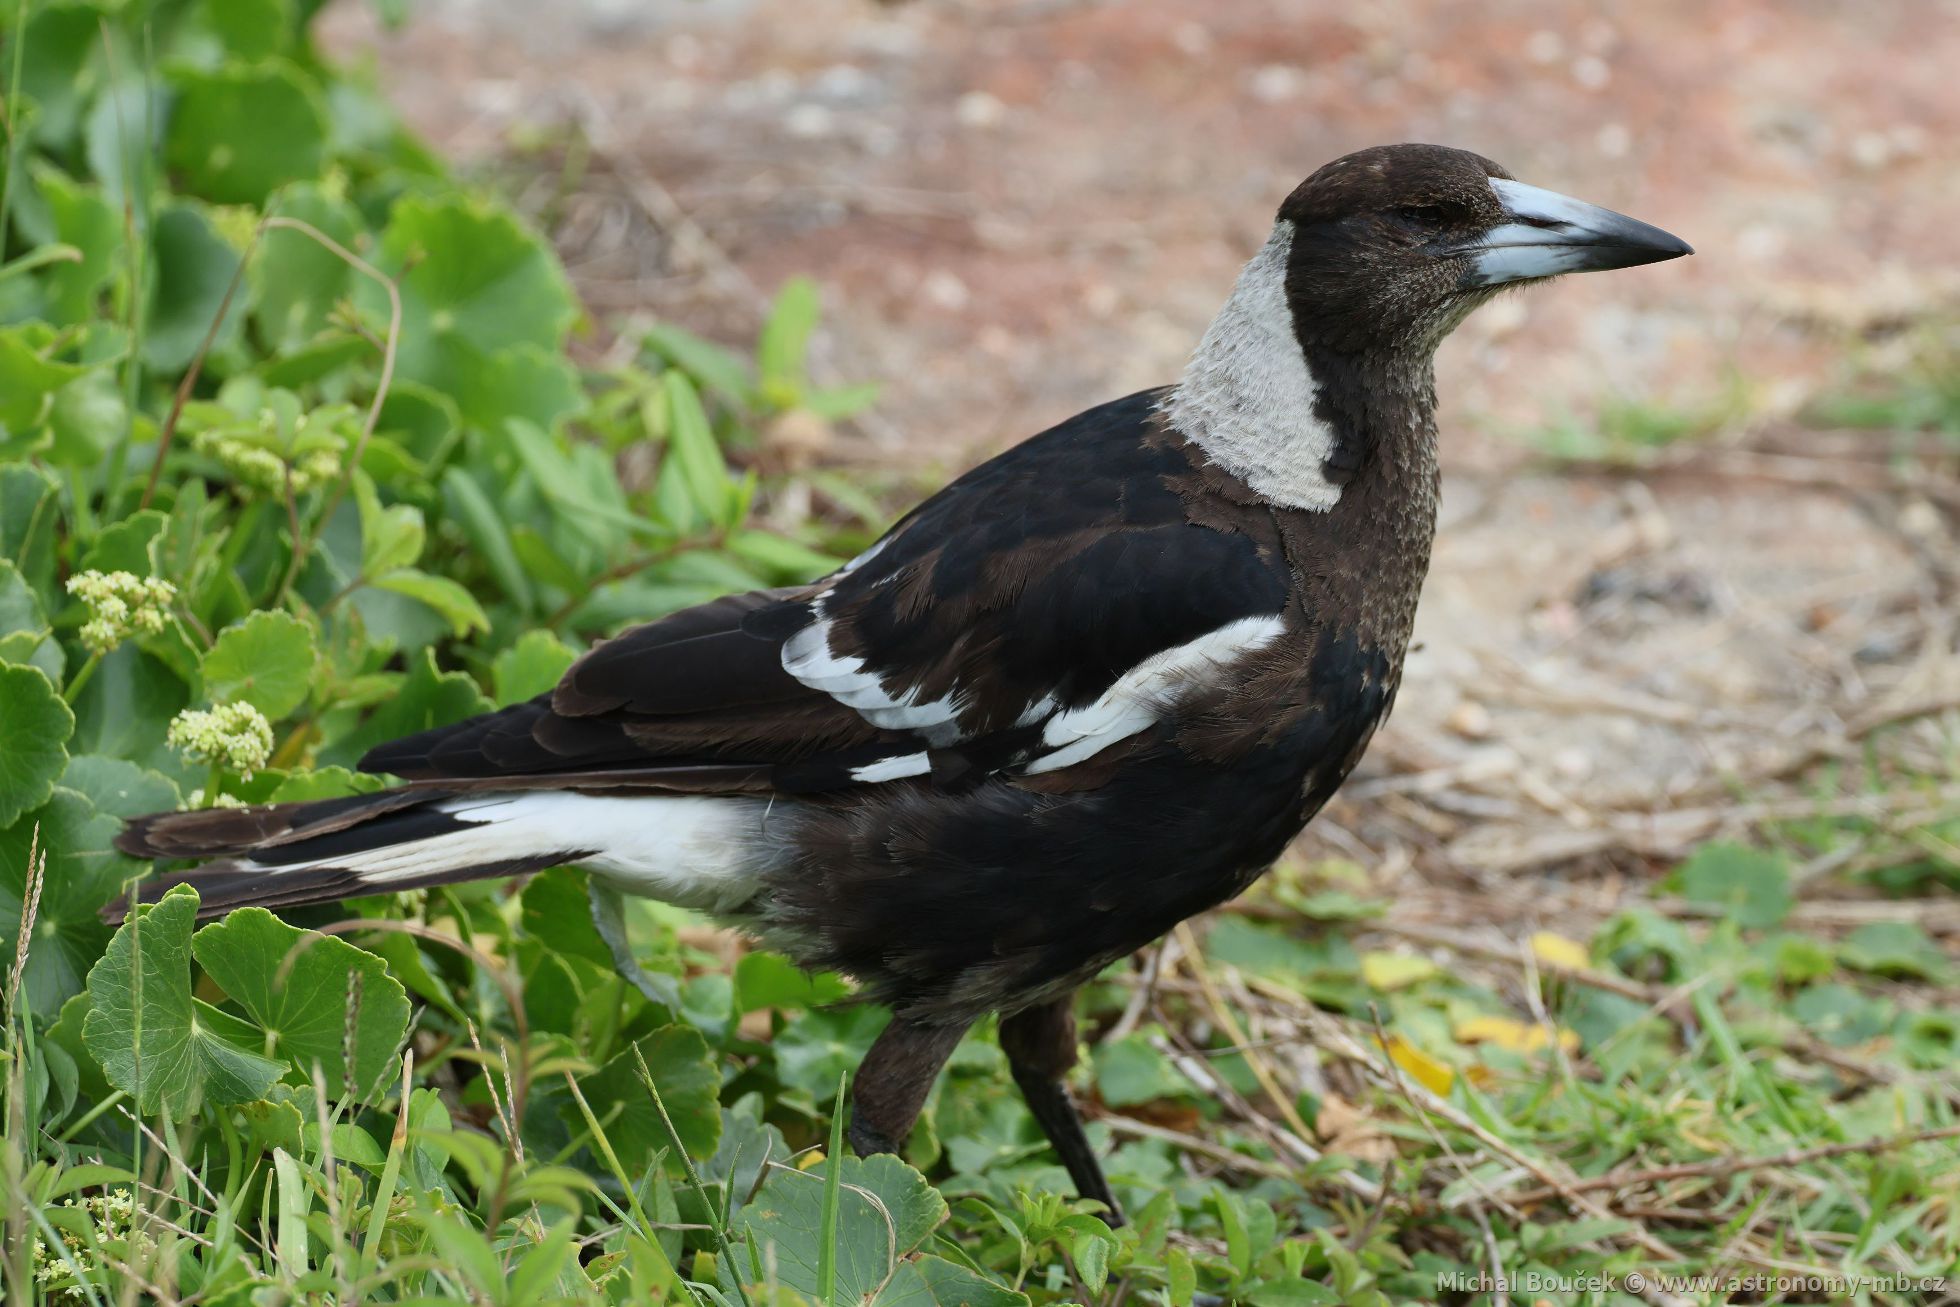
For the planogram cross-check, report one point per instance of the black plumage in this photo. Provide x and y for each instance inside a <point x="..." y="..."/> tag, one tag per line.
<point x="1091" y="688"/>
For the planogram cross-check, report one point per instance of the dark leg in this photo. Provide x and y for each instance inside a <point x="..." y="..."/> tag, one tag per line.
<point x="893" y="1080"/>
<point x="1040" y="1047"/>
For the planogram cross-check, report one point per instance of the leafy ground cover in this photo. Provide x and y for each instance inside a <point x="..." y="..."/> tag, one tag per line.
<point x="300" y="453"/>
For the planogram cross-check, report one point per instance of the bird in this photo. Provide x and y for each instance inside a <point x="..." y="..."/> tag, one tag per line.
<point x="1092" y="687"/>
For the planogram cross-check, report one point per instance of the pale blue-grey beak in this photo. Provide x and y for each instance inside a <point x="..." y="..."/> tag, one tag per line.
<point x="1546" y="234"/>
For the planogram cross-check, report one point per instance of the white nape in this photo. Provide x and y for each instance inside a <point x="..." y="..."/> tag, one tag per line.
<point x="692" y="851"/>
<point x="1247" y="395"/>
<point x="1148" y="692"/>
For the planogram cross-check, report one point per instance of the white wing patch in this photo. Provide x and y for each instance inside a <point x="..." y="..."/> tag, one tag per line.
<point x="1145" y="694"/>
<point x="807" y="656"/>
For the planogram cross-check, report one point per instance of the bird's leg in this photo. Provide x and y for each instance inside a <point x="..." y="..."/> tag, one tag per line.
<point x="1040" y="1047"/>
<point x="609" y="918"/>
<point x="893" y="1080"/>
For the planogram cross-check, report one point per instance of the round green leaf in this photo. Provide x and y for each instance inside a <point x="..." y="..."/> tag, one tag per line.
<point x="150" y="1035"/>
<point x="473" y="282"/>
<point x="265" y="659"/>
<point x="689" y="1082"/>
<point x="296" y="281"/>
<point x="24" y="633"/>
<point x="34" y="729"/>
<point x="83" y="873"/>
<point x="28" y="379"/>
<point x="885" y="1211"/>
<point x="194" y="266"/>
<point x="239" y="131"/>
<point x="300" y="986"/>
<point x="118" y="788"/>
<point x="530" y="667"/>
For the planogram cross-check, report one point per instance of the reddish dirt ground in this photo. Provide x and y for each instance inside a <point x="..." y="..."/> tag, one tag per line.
<point x="1018" y="209"/>
<point x="1021" y="208"/>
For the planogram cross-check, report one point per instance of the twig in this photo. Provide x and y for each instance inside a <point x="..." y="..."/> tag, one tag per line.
<point x="168" y="431"/>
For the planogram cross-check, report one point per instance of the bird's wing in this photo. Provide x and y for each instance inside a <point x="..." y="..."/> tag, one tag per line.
<point x="1050" y="603"/>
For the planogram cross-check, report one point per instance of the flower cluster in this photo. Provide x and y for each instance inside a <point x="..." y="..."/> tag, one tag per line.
<point x="258" y="468"/>
<point x="233" y="735"/>
<point x="120" y="604"/>
<point x="113" y="1214"/>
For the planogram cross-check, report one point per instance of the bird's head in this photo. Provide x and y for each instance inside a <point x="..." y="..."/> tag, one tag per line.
<point x="1392" y="246"/>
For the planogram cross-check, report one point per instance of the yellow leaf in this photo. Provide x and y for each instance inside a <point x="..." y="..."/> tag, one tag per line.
<point x="809" y="1159"/>
<point x="1517" y="1036"/>
<point x="1560" y="951"/>
<point x="1425" y="1070"/>
<point x="1395" y="970"/>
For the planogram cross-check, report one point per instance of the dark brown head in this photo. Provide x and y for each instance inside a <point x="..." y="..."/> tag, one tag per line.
<point x="1392" y="246"/>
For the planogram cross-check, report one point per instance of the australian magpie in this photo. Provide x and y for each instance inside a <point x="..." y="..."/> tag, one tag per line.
<point x="1090" y="688"/>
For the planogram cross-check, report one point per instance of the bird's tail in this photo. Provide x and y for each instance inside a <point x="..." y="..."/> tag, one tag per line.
<point x="293" y="854"/>
<point x="697" y="851"/>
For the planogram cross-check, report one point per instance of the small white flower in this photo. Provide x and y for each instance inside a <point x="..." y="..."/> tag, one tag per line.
<point x="120" y="604"/>
<point x="232" y="735"/>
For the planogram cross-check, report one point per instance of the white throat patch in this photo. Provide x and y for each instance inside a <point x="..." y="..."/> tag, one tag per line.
<point x="1247" y="397"/>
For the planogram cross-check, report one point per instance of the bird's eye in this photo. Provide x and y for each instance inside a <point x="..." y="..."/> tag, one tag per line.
<point x="1423" y="215"/>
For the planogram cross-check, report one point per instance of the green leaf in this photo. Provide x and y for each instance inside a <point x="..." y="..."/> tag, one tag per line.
<point x="925" y="1280"/>
<point x="1895" y="948"/>
<point x="391" y="536"/>
<point x="469" y="276"/>
<point x="325" y="783"/>
<point x="770" y="980"/>
<point x="693" y="448"/>
<point x="296" y="281"/>
<point x="785" y="340"/>
<point x="524" y="381"/>
<point x="842" y="401"/>
<point x="25" y="636"/>
<point x="1751" y="886"/>
<point x="119" y="788"/>
<point x="558" y="913"/>
<point x="128" y="545"/>
<point x="34" y="728"/>
<point x="147" y="1032"/>
<point x="28" y="378"/>
<point x="126" y="708"/>
<point x="457" y="606"/>
<point x="885" y="1212"/>
<point x="470" y="508"/>
<point x="83" y="873"/>
<point x="718" y="370"/>
<point x="85" y="220"/>
<point x="251" y="29"/>
<point x="298" y="985"/>
<point x="426" y="699"/>
<point x="87" y="418"/>
<point x="29" y="515"/>
<point x="239" y="131"/>
<point x="818" y="1047"/>
<point x="1129" y="1071"/>
<point x="265" y="659"/>
<point x="690" y="1083"/>
<point x="532" y="666"/>
<point x="780" y="557"/>
<point x="194" y="267"/>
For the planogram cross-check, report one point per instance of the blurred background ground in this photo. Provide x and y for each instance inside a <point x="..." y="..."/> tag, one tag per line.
<point x="1018" y="209"/>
